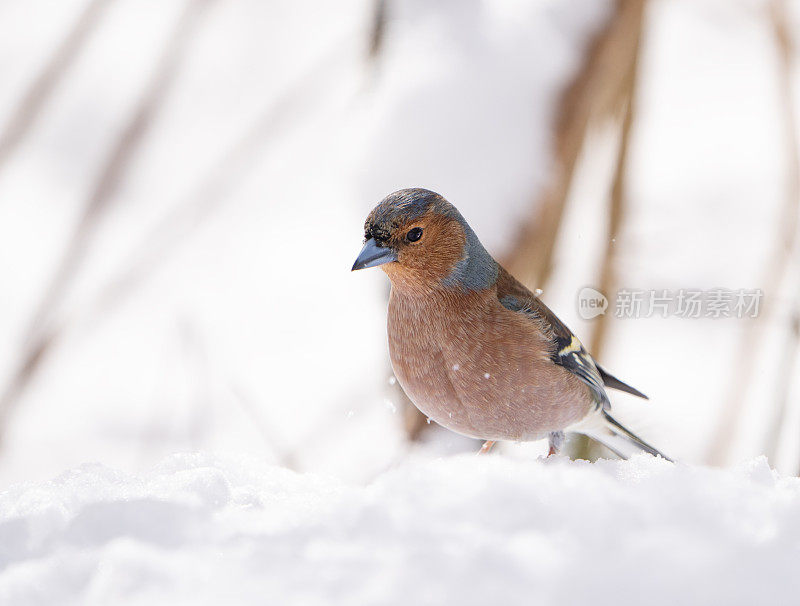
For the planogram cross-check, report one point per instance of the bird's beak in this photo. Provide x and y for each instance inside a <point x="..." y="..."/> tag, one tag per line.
<point x="373" y="255"/>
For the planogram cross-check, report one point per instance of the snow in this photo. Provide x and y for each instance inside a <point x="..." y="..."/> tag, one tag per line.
<point x="204" y="529"/>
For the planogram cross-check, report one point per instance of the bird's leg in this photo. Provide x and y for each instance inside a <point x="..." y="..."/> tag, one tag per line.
<point x="556" y="441"/>
<point x="487" y="446"/>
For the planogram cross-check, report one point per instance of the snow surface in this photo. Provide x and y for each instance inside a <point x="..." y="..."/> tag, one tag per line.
<point x="203" y="529"/>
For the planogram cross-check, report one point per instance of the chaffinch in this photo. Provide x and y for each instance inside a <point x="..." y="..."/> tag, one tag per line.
<point x="474" y="349"/>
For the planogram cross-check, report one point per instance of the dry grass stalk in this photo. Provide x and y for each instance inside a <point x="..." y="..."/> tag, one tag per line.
<point x="35" y="98"/>
<point x="42" y="330"/>
<point x="609" y="272"/>
<point x="594" y="94"/>
<point x="378" y="28"/>
<point x="584" y="448"/>
<point x="185" y="217"/>
<point x="752" y="334"/>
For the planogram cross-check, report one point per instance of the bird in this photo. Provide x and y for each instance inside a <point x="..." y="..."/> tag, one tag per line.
<point x="473" y="348"/>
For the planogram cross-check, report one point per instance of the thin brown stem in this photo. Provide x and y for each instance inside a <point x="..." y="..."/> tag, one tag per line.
<point x="753" y="332"/>
<point x="183" y="220"/>
<point x="36" y="96"/>
<point x="785" y="380"/>
<point x="583" y="447"/>
<point x="377" y="32"/>
<point x="40" y="334"/>
<point x="616" y="215"/>
<point x="103" y="193"/>
<point x="594" y="93"/>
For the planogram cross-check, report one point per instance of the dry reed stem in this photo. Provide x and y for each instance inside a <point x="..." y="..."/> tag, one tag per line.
<point x="40" y="333"/>
<point x="584" y="448"/>
<point x="594" y="94"/>
<point x="35" y="98"/>
<point x="753" y="333"/>
<point x="181" y="221"/>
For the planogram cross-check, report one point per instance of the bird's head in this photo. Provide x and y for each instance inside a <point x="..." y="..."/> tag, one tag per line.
<point x="422" y="242"/>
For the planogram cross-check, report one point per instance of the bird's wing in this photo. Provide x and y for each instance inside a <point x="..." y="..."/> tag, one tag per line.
<point x="568" y="351"/>
<point x="613" y="382"/>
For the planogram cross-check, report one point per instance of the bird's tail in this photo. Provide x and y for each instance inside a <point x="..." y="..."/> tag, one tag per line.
<point x="619" y="439"/>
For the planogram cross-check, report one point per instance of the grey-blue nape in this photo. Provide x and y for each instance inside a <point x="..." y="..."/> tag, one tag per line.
<point x="476" y="270"/>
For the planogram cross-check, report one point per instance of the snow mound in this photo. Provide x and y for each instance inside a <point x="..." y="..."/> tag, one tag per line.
<point x="201" y="529"/>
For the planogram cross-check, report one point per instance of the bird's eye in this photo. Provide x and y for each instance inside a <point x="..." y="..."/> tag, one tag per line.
<point x="414" y="234"/>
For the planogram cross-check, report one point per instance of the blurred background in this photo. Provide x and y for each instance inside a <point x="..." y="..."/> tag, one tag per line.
<point x="183" y="185"/>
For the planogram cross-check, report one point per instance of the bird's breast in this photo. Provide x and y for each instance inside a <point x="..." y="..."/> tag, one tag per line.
<point x="480" y="370"/>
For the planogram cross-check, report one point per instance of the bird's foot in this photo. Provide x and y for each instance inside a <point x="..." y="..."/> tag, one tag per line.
<point x="487" y="446"/>
<point x="556" y="441"/>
